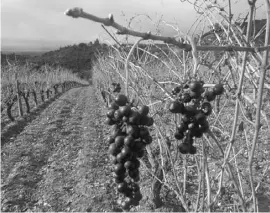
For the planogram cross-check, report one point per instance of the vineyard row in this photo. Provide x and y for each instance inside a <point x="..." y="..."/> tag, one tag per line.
<point x="27" y="94"/>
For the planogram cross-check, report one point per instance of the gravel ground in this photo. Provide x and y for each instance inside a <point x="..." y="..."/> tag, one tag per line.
<point x="56" y="160"/>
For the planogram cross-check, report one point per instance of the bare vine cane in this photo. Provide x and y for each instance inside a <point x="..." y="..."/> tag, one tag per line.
<point x="229" y="169"/>
<point x="111" y="36"/>
<point x="156" y="82"/>
<point x="259" y="104"/>
<point x="78" y="12"/>
<point x="175" y="177"/>
<point x="200" y="184"/>
<point x="194" y="52"/>
<point x="20" y="109"/>
<point x="233" y="134"/>
<point x="126" y="64"/>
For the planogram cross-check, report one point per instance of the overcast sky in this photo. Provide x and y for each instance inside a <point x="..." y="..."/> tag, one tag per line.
<point x="41" y="24"/>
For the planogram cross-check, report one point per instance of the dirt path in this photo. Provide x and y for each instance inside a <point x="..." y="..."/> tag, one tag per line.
<point x="58" y="162"/>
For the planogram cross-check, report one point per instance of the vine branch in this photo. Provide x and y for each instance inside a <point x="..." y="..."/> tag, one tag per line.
<point x="78" y="12"/>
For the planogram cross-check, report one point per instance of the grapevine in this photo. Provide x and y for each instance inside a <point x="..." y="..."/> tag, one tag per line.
<point x="228" y="53"/>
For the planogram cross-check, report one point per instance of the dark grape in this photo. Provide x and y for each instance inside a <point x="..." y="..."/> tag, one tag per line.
<point x="138" y="196"/>
<point x="121" y="100"/>
<point x="136" y="179"/>
<point x="150" y="121"/>
<point x="190" y="110"/>
<point x="196" y="132"/>
<point x="143" y="110"/>
<point x="120" y="157"/>
<point x="126" y="204"/>
<point x="119" y="169"/>
<point x="210" y="95"/>
<point x="148" y="140"/>
<point x="119" y="141"/>
<point x="140" y="153"/>
<point x="144" y="132"/>
<point x="135" y="187"/>
<point x="129" y="141"/>
<point x="113" y="149"/>
<point x="134" y="118"/>
<point x="133" y="130"/>
<point x="144" y="120"/>
<point x="125" y="119"/>
<point x="204" y="127"/>
<point x="118" y="115"/>
<point x="129" y="165"/>
<point x="133" y="173"/>
<point x="109" y="121"/>
<point x="113" y="105"/>
<point x="138" y="146"/>
<point x="186" y="98"/>
<point x="179" y="135"/>
<point x="119" y="178"/>
<point x="126" y="151"/>
<point x="182" y="127"/>
<point x="218" y="89"/>
<point x="110" y="113"/>
<point x="176" y="90"/>
<point x="185" y="119"/>
<point x="206" y="108"/>
<point x="183" y="148"/>
<point x="192" y="150"/>
<point x="110" y="140"/>
<point x="136" y="163"/>
<point x="117" y="132"/>
<point x="121" y="187"/>
<point x="195" y="86"/>
<point x="125" y="110"/>
<point x="200" y="117"/>
<point x="195" y="95"/>
<point x="177" y="107"/>
<point x="191" y="126"/>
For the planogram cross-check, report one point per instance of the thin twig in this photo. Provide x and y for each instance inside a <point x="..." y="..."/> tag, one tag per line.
<point x="233" y="134"/>
<point x="259" y="104"/>
<point x="200" y="185"/>
<point x="207" y="178"/>
<point x="126" y="63"/>
<point x="111" y="35"/>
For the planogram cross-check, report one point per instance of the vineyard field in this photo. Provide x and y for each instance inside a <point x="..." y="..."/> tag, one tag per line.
<point x="142" y="121"/>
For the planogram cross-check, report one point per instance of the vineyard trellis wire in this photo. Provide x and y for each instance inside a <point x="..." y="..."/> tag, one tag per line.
<point x="243" y="62"/>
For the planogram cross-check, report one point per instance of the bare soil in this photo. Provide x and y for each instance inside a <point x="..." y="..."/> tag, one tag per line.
<point x="56" y="159"/>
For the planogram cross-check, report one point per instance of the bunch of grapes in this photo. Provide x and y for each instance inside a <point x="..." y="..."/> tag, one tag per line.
<point x="193" y="103"/>
<point x="126" y="144"/>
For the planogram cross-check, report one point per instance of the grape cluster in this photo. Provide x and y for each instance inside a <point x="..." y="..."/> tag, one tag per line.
<point x="116" y="87"/>
<point x="193" y="103"/>
<point x="126" y="144"/>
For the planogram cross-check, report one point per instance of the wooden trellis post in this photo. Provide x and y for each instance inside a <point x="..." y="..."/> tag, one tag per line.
<point x="18" y="97"/>
<point x="35" y="98"/>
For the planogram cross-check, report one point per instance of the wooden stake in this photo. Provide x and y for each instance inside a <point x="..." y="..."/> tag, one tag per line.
<point x="19" y="98"/>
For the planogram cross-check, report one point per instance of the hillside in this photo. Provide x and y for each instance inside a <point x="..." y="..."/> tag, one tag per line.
<point x="78" y="58"/>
